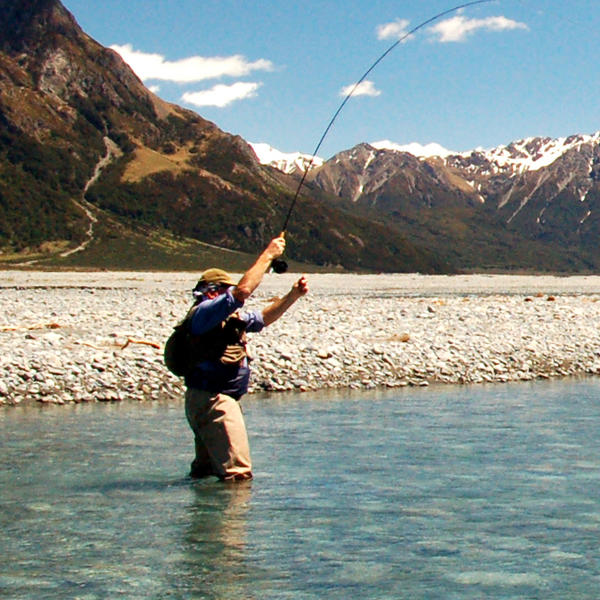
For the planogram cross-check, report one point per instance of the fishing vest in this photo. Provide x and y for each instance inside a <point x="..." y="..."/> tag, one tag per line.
<point x="225" y="343"/>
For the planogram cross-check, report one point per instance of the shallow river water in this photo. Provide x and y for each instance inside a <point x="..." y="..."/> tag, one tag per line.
<point x="445" y="492"/>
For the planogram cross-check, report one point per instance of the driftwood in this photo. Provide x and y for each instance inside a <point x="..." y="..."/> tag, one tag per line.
<point x="146" y="343"/>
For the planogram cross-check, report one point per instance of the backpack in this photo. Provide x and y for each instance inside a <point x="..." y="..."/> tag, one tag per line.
<point x="177" y="355"/>
<point x="180" y="348"/>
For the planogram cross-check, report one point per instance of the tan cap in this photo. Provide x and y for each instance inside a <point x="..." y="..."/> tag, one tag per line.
<point x="216" y="276"/>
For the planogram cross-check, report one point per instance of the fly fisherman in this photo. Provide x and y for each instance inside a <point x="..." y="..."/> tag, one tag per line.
<point x="221" y="372"/>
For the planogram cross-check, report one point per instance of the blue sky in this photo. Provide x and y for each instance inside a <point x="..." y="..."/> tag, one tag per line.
<point x="275" y="71"/>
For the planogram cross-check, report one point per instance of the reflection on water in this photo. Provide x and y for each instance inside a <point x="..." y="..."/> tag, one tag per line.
<point x="214" y="548"/>
<point x="449" y="492"/>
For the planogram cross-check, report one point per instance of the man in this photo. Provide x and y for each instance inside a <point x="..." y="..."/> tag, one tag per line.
<point x="221" y="373"/>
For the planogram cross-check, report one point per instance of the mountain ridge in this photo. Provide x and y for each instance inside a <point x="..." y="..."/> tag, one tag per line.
<point x="536" y="194"/>
<point x="534" y="191"/>
<point x="531" y="153"/>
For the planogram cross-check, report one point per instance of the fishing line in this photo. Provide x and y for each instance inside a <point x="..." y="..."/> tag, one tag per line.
<point x="279" y="265"/>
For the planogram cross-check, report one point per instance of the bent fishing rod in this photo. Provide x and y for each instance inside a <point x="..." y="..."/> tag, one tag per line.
<point x="279" y="265"/>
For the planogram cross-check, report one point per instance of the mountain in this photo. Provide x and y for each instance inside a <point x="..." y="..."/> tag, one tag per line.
<point x="533" y="204"/>
<point x="95" y="170"/>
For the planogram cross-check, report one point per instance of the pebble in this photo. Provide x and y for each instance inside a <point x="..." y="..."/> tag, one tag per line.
<point x="65" y="339"/>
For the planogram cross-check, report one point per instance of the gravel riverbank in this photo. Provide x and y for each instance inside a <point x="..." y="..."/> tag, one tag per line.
<point x="79" y="337"/>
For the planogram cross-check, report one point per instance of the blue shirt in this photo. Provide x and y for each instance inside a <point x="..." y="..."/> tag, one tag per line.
<point x="214" y="376"/>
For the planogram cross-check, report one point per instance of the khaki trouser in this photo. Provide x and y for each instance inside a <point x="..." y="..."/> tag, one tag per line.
<point x="220" y="435"/>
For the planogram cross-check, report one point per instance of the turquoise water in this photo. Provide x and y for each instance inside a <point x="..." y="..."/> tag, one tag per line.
<point x="444" y="492"/>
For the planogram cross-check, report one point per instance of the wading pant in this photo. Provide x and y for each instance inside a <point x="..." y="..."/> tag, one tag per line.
<point x="220" y="434"/>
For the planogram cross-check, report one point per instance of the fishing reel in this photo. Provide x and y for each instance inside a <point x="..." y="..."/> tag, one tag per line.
<point x="279" y="266"/>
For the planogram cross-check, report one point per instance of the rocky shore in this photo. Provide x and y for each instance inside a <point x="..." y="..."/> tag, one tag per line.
<point x="82" y="337"/>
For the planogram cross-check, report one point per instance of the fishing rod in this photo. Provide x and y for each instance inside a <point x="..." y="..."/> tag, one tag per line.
<point x="279" y="265"/>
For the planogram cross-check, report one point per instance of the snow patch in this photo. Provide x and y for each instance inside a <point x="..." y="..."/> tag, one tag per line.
<point x="527" y="155"/>
<point x="291" y="162"/>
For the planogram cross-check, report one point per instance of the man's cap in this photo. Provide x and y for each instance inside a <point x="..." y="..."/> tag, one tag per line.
<point x="217" y="276"/>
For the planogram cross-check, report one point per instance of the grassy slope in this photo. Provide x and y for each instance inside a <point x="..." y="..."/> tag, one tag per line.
<point x="118" y="247"/>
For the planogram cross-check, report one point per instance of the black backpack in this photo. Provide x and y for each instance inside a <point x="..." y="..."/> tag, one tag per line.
<point x="178" y="355"/>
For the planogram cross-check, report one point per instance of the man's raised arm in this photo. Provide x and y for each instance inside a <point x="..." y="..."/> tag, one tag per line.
<point x="253" y="276"/>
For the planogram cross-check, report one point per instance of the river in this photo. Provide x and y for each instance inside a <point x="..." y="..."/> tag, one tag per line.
<point x="447" y="492"/>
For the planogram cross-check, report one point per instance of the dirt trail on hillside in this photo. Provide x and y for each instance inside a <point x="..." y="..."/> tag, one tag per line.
<point x="112" y="151"/>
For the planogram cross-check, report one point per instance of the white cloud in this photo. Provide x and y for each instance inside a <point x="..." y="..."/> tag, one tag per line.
<point x="222" y="95"/>
<point x="365" y="88"/>
<point x="394" y="30"/>
<point x="458" y="28"/>
<point x="154" y="88"/>
<point x="187" y="70"/>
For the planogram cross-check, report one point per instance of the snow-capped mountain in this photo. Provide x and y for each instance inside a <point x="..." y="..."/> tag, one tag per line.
<point x="531" y="204"/>
<point x="491" y="204"/>
<point x="532" y="201"/>
<point x="529" y="154"/>
<point x="534" y="153"/>
<point x="289" y="163"/>
<point x="294" y="162"/>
